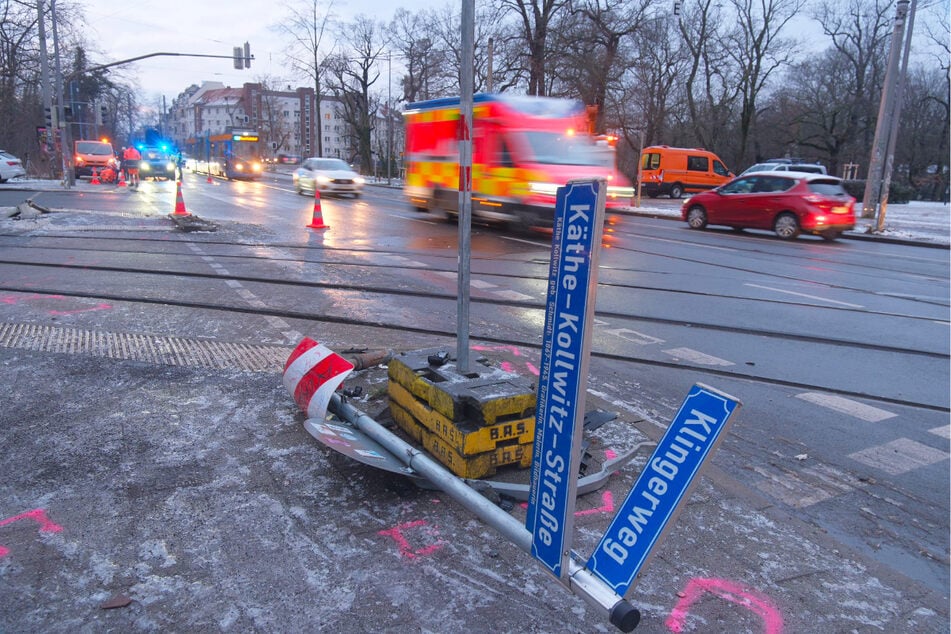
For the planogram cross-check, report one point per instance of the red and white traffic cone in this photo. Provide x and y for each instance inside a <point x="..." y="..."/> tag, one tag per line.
<point x="180" y="203"/>
<point x="210" y="179"/>
<point x="121" y="182"/>
<point x="317" y="222"/>
<point x="95" y="177"/>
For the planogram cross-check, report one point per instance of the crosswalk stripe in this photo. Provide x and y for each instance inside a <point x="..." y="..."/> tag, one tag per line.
<point x="695" y="356"/>
<point x="899" y="456"/>
<point x="847" y="406"/>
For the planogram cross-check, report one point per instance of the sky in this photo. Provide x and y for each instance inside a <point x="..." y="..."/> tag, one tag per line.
<point x="123" y="30"/>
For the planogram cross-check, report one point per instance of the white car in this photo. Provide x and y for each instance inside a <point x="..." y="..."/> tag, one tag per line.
<point x="327" y="175"/>
<point x="10" y="166"/>
<point x="769" y="166"/>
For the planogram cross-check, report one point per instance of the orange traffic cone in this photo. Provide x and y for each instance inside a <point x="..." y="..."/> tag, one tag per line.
<point x="317" y="222"/>
<point x="121" y="182"/>
<point x="95" y="177"/>
<point x="179" y="203"/>
<point x="210" y="179"/>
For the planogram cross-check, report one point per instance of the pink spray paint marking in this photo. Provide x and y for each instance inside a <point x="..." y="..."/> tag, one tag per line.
<point x="730" y="591"/>
<point x="13" y="299"/>
<point x="38" y="516"/>
<point x="607" y="506"/>
<point x="398" y="533"/>
<point x="508" y="366"/>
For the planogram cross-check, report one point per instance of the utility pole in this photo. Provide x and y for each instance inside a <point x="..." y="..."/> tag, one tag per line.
<point x="66" y="142"/>
<point x="893" y="137"/>
<point x="887" y="117"/>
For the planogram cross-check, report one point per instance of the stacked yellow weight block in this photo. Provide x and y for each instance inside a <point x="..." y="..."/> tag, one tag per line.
<point x="474" y="423"/>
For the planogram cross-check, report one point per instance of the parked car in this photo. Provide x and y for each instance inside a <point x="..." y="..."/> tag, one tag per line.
<point x="327" y="175"/>
<point x="777" y="166"/>
<point x="156" y="164"/>
<point x="10" y="166"/>
<point x="788" y="203"/>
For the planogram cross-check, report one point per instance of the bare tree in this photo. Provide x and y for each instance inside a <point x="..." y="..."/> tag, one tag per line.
<point x="535" y="18"/>
<point x="306" y="26"/>
<point x="757" y="50"/>
<point x="589" y="39"/>
<point x="352" y="73"/>
<point x="710" y="85"/>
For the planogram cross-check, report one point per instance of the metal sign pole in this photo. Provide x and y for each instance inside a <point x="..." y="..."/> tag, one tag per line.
<point x="465" y="184"/>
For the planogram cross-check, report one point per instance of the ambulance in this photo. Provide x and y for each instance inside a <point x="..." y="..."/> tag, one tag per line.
<point x="523" y="149"/>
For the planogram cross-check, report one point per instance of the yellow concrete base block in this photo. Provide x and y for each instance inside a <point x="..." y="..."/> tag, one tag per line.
<point x="466" y="440"/>
<point x="476" y="466"/>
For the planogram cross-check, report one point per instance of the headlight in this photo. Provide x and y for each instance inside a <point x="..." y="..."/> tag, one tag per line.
<point x="323" y="180"/>
<point x="170" y="167"/>
<point x="359" y="180"/>
<point x="546" y="189"/>
<point x="256" y="167"/>
<point x="145" y="167"/>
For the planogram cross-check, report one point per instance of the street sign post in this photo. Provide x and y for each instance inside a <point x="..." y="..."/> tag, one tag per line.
<point x="665" y="483"/>
<point x="559" y="414"/>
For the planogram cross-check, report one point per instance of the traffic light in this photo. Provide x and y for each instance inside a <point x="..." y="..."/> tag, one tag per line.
<point x="68" y="113"/>
<point x="48" y="116"/>
<point x="242" y="56"/>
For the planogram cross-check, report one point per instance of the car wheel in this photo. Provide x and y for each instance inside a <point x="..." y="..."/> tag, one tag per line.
<point x="356" y="194"/>
<point x="830" y="235"/>
<point x="696" y="217"/>
<point x="676" y="191"/>
<point x="786" y="226"/>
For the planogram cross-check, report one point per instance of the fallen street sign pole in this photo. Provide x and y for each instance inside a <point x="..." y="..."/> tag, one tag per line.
<point x="559" y="413"/>
<point x="313" y="373"/>
<point x="665" y="483"/>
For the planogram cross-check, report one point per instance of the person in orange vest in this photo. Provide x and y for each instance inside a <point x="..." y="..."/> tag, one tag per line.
<point x="130" y="163"/>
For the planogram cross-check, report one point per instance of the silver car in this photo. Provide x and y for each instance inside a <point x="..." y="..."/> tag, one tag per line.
<point x="10" y="166"/>
<point x="327" y="175"/>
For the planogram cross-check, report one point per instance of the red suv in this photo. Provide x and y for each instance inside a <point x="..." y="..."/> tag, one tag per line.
<point x="788" y="203"/>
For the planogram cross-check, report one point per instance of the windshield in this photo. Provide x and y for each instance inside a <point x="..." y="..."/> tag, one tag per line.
<point x="93" y="147"/>
<point x="330" y="164"/>
<point x="552" y="148"/>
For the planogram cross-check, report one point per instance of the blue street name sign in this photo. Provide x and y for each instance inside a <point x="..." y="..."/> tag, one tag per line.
<point x="652" y="504"/>
<point x="572" y="280"/>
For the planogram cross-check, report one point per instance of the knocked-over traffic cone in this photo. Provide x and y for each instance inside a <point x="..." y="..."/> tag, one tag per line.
<point x="179" y="203"/>
<point x="95" y="177"/>
<point x="317" y="222"/>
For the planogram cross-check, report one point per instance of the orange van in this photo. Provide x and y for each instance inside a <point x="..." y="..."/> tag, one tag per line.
<point x="675" y="170"/>
<point x="89" y="155"/>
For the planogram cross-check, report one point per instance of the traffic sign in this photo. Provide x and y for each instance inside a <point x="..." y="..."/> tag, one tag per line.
<point x="559" y="414"/>
<point x="662" y="487"/>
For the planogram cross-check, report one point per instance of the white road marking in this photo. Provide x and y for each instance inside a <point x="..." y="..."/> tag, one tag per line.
<point x="800" y="489"/>
<point x="694" y="356"/>
<point x="944" y="431"/>
<point x="899" y="456"/>
<point x="634" y="337"/>
<point x="513" y="295"/>
<point x="847" y="406"/>
<point x="480" y="284"/>
<point x="813" y="297"/>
